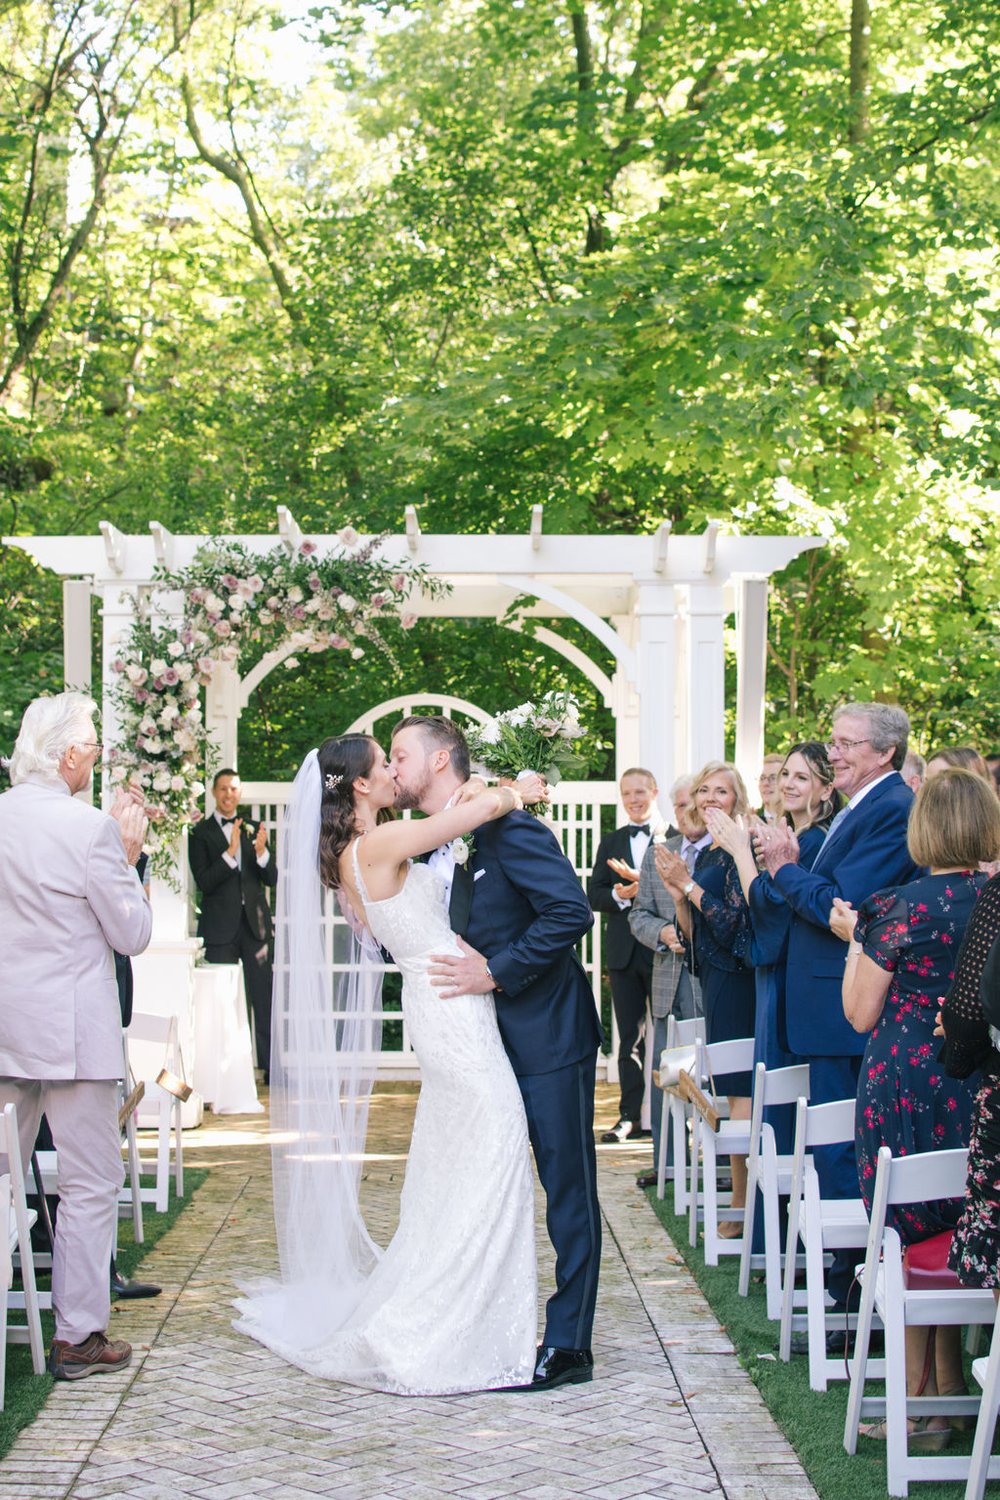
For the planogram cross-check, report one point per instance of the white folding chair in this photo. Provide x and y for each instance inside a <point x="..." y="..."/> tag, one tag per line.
<point x="19" y="1237"/>
<point x="731" y="1138"/>
<point x="820" y="1225"/>
<point x="926" y="1177"/>
<point x="675" y="1116"/>
<point x="981" y="1466"/>
<point x="770" y="1175"/>
<point x="162" y="1030"/>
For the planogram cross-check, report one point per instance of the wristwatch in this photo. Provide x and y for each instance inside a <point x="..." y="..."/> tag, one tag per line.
<point x="688" y="887"/>
<point x="490" y="977"/>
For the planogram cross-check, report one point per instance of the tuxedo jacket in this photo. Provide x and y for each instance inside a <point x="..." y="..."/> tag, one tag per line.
<point x="226" y="893"/>
<point x="68" y="899"/>
<point x="621" y="950"/>
<point x="518" y="902"/>
<point x="866" y="853"/>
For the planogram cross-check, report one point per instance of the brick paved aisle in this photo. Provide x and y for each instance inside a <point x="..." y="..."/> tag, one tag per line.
<point x="204" y="1412"/>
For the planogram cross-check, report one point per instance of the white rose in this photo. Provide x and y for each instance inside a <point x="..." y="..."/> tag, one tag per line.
<point x="169" y="714"/>
<point x="311" y="606"/>
<point x="177" y="783"/>
<point x="460" y="851"/>
<point x="161" y="781"/>
<point x="295" y="594"/>
<point x="194" y="714"/>
<point x="136" y="674"/>
<point x="348" y="536"/>
<point x="154" y="746"/>
<point x="214" y="604"/>
<point x="175" y="649"/>
<point x="265" y="617"/>
<point x="347" y="603"/>
<point x="158" y="667"/>
<point x="118" y="773"/>
<point x="490" y="733"/>
<point x="184" y="670"/>
<point x="185" y="740"/>
<point x="147" y="725"/>
<point x="291" y="662"/>
<point x="357" y="653"/>
<point x="235" y="603"/>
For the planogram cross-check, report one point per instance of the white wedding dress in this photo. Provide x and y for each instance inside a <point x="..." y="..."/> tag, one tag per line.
<point x="451" y="1304"/>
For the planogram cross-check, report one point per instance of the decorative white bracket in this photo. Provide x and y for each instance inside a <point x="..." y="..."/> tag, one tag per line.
<point x="662" y="538"/>
<point x="572" y="653"/>
<point x="536" y="527"/>
<point x="288" y="529"/>
<point x="114" y="546"/>
<point x="412" y="527"/>
<point x="163" y="544"/>
<point x="711" y="536"/>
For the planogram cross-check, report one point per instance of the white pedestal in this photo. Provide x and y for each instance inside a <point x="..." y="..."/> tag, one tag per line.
<point x="164" y="986"/>
<point x="223" y="1073"/>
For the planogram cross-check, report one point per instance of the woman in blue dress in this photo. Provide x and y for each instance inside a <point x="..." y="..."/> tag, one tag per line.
<point x="900" y="965"/>
<point x="808" y="802"/>
<point x="711" y="914"/>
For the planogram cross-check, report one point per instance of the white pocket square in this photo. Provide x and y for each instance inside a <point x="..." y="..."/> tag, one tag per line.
<point x="478" y="876"/>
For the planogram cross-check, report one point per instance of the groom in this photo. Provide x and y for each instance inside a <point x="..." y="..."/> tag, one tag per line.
<point x="519" y="909"/>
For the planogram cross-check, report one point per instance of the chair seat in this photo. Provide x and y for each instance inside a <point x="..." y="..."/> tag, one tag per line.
<point x="844" y="1222"/>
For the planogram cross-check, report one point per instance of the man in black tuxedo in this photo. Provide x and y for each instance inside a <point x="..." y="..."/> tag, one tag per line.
<point x="231" y="865"/>
<point x="612" y="889"/>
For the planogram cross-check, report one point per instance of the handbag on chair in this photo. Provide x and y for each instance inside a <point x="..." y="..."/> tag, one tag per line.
<point x="925" y="1265"/>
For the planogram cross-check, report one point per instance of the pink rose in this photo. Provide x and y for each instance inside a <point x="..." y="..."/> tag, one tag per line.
<point x="407" y="621"/>
<point x="298" y="613"/>
<point x="231" y="581"/>
<point x="315" y="582"/>
<point x="378" y="600"/>
<point x="118" y="665"/>
<point x="339" y="642"/>
<point x="307" y="548"/>
<point x="197" y="596"/>
<point x="398" y="581"/>
<point x="170" y="677"/>
<point x="223" y="628"/>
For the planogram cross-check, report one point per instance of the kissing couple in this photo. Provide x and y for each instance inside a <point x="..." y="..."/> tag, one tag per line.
<point x="501" y="1017"/>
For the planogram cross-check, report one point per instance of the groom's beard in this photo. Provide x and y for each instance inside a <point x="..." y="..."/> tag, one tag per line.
<point x="412" y="797"/>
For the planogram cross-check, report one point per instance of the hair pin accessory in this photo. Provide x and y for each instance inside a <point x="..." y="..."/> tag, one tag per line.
<point x="332" y="782"/>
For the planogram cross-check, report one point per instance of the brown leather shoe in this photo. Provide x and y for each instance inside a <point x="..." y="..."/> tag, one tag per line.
<point x="97" y="1355"/>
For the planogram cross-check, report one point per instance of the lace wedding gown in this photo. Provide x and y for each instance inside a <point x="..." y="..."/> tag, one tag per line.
<point x="451" y="1304"/>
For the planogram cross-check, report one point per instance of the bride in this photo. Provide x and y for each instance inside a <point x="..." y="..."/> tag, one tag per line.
<point x="450" y="1304"/>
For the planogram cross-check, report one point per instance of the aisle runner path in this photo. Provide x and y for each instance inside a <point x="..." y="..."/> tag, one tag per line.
<point x="203" y="1412"/>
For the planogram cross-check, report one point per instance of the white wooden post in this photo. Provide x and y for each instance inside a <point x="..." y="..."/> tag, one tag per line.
<point x="751" y="674"/>
<point x="222" y="712"/>
<point x="117" y="613"/>
<point x="78" y="666"/>
<point x="705" y="672"/>
<point x="656" y="611"/>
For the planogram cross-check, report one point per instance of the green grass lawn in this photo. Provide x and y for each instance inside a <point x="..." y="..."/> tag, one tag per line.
<point x="813" y="1422"/>
<point x="26" y="1392"/>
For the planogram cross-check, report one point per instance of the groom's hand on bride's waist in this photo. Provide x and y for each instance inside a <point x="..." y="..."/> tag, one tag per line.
<point x="466" y="974"/>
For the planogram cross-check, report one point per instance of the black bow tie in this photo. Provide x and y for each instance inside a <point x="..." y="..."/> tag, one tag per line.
<point x="228" y="822"/>
<point x="638" y="828"/>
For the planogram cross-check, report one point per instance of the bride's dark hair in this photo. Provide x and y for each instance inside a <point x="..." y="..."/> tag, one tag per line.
<point x="341" y="761"/>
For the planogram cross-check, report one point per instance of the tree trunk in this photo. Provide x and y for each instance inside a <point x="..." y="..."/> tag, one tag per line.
<point x="861" y="30"/>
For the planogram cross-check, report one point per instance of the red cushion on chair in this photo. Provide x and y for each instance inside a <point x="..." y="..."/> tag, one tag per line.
<point x="925" y="1265"/>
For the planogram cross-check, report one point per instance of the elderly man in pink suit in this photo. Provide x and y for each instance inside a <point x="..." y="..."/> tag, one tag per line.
<point x="69" y="895"/>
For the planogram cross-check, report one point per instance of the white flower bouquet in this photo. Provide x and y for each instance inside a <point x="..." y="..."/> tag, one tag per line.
<point x="532" y="737"/>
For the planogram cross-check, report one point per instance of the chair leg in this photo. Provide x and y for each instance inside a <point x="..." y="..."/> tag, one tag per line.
<point x="710" y="1176"/>
<point x="895" y="1402"/>
<point x="163" y="1156"/>
<point x="862" y="1340"/>
<point x="772" y="1248"/>
<point x="986" y="1424"/>
<point x="666" y="1121"/>
<point x="134" y="1178"/>
<point x="696" y="1169"/>
<point x="788" y="1286"/>
<point x="749" y="1219"/>
<point x="816" y="1311"/>
<point x="178" y="1151"/>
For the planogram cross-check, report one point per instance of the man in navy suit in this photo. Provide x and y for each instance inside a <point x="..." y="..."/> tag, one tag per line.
<point x="865" y="851"/>
<point x="519" y="910"/>
<point x="612" y="888"/>
<point x="231" y="867"/>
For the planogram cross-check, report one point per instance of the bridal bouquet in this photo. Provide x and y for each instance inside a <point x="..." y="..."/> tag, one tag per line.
<point x="532" y="737"/>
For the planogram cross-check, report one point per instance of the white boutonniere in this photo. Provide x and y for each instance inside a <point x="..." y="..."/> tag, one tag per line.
<point x="463" y="848"/>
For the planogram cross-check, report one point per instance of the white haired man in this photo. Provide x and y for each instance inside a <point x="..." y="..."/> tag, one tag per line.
<point x="69" y="896"/>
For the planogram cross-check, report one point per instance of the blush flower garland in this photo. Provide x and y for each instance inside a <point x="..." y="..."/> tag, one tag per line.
<point x="238" y="604"/>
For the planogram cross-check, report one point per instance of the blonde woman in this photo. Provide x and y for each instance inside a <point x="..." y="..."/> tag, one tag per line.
<point x="712" y="912"/>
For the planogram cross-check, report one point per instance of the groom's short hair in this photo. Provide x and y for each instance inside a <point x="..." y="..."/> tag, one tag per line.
<point x="443" y="735"/>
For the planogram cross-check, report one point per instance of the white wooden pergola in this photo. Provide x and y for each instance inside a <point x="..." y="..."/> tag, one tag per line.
<point x="656" y="603"/>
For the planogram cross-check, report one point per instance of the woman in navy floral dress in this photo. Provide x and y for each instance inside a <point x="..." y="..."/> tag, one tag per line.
<point x="900" y="965"/>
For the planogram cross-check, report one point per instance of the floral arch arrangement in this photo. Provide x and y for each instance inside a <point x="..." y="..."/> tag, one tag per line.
<point x="238" y="604"/>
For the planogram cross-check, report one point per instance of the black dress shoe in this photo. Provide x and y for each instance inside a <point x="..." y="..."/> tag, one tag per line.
<point x="560" y="1367"/>
<point x="124" y="1286"/>
<point x="836" y="1342"/>
<point x="645" y="1180"/>
<point x="625" y="1130"/>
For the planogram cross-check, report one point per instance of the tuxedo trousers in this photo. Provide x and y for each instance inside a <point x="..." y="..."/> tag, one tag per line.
<point x="83" y="1119"/>
<point x="630" y="993"/>
<point x="255" y="955"/>
<point x="560" y="1111"/>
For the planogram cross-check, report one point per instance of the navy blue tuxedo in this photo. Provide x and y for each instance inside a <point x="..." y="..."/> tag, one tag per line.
<point x="526" y="912"/>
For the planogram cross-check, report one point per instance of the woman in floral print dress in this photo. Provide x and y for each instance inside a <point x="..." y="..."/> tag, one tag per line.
<point x="900" y="965"/>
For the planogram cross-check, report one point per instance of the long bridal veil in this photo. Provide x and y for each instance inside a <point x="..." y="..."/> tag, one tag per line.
<point x="326" y="1035"/>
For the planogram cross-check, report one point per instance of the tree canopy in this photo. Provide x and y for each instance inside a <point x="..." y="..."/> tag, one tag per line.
<point x="728" y="259"/>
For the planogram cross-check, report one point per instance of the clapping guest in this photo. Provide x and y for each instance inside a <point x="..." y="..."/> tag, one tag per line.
<point x="712" y="913"/>
<point x="653" y="920"/>
<point x="232" y="865"/>
<point x="865" y="849"/>
<point x="612" y="889"/>
<point x="900" y="964"/>
<point x="808" y="802"/>
<point x="69" y="896"/>
<point x="769" y="788"/>
<point x="913" y="771"/>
